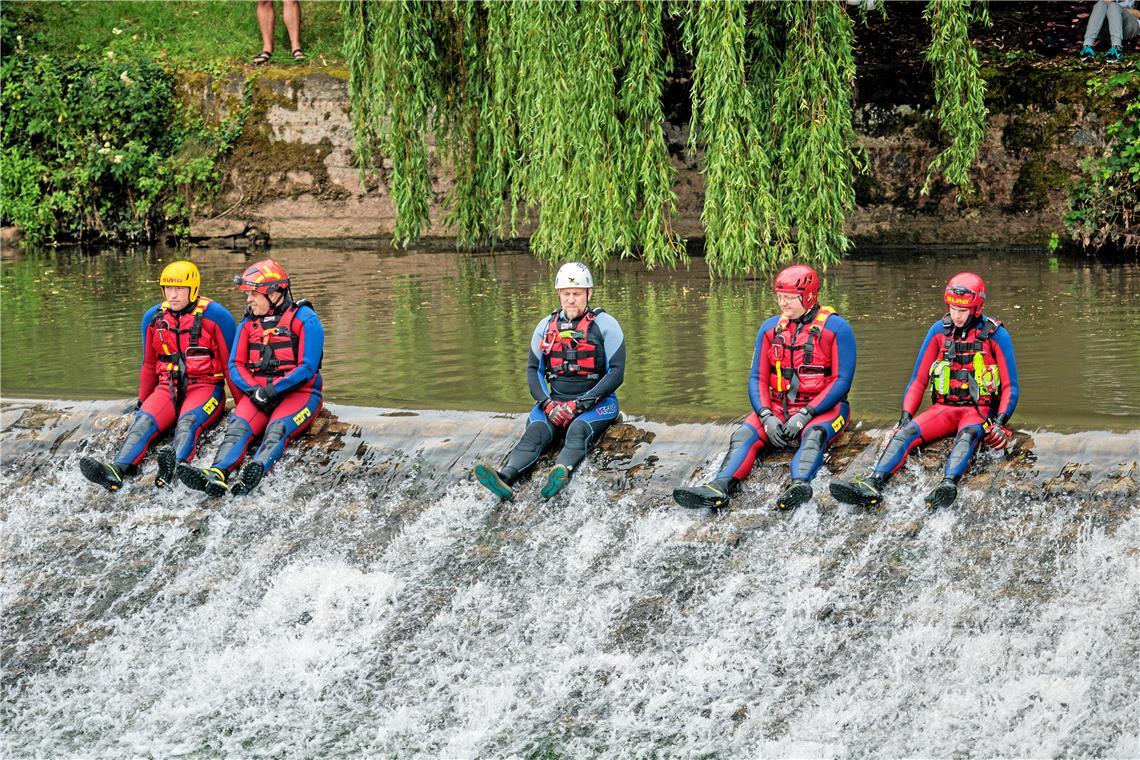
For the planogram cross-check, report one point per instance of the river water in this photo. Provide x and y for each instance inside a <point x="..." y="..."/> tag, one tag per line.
<point x="448" y="330"/>
<point x="371" y="600"/>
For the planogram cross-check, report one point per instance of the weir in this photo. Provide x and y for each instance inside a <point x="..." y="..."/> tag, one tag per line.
<point x="371" y="599"/>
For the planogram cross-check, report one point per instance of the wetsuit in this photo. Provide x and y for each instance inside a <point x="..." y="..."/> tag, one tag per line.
<point x="282" y="350"/>
<point x="965" y="392"/>
<point x="816" y="363"/>
<point x="587" y="370"/>
<point x="182" y="378"/>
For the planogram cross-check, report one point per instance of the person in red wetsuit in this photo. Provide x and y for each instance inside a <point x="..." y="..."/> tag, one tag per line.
<point x="802" y="369"/>
<point x="276" y="364"/>
<point x="186" y="350"/>
<point x="967" y="360"/>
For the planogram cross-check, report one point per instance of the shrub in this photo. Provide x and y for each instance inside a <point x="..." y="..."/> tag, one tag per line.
<point x="92" y="148"/>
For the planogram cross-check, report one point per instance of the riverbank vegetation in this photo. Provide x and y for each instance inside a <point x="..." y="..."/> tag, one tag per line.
<point x="551" y="110"/>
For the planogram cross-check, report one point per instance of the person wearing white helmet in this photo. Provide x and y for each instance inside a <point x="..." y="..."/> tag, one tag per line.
<point x="577" y="362"/>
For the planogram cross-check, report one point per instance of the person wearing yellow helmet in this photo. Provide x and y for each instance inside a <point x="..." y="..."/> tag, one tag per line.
<point x="186" y="349"/>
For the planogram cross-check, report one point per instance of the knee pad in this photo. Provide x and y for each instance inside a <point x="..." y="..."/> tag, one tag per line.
<point x="812" y="443"/>
<point x="742" y="436"/>
<point x="274" y="437"/>
<point x="183" y="432"/>
<point x="142" y="429"/>
<point x="962" y="451"/>
<point x="899" y="442"/>
<point x="236" y="430"/>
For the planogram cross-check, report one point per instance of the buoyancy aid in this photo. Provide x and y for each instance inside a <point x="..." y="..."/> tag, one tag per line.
<point x="182" y="357"/>
<point x="796" y="372"/>
<point x="967" y="372"/>
<point x="568" y="350"/>
<point x="273" y="342"/>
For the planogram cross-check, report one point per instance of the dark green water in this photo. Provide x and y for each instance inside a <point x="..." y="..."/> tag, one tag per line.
<point x="447" y="330"/>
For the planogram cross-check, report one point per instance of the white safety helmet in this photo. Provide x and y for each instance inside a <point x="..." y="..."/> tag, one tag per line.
<point x="573" y="275"/>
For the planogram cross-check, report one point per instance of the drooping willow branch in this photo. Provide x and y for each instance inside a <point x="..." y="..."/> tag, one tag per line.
<point x="959" y="90"/>
<point x="554" y="110"/>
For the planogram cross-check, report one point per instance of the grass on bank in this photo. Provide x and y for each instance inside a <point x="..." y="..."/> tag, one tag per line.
<point x="194" y="34"/>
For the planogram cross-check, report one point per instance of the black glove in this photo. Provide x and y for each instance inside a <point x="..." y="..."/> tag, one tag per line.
<point x="264" y="396"/>
<point x="904" y="420"/>
<point x="796" y="424"/>
<point x="773" y="430"/>
<point x="133" y="408"/>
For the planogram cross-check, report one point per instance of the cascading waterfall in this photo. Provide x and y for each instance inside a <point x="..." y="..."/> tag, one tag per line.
<point x="371" y="600"/>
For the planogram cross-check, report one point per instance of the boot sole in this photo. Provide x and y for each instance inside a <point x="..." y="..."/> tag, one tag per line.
<point x="96" y="472"/>
<point x="195" y="479"/>
<point x="555" y="481"/>
<point x="942" y="497"/>
<point x="166" y="466"/>
<point x="849" y="495"/>
<point x="689" y="499"/>
<point x="250" y="477"/>
<point x="794" y="496"/>
<point x="490" y="480"/>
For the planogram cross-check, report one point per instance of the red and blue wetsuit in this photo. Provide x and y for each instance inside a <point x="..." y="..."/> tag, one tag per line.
<point x="974" y="378"/>
<point x="282" y="349"/>
<point x="182" y="378"/>
<point x="806" y="363"/>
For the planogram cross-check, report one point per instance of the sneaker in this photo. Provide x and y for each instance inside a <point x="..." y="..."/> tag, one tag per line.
<point x="794" y="495"/>
<point x="700" y="497"/>
<point x="557" y="479"/>
<point x="1087" y="54"/>
<point x="211" y="480"/>
<point x="943" y="495"/>
<point x="250" y="476"/>
<point x="101" y="474"/>
<point x="864" y="492"/>
<point x="1114" y="55"/>
<point x="166" y="465"/>
<point x="493" y="482"/>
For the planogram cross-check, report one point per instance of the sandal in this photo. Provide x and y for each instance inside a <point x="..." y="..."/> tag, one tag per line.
<point x="298" y="54"/>
<point x="262" y="58"/>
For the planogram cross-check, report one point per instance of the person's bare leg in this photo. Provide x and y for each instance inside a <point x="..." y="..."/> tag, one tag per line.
<point x="265" y="20"/>
<point x="291" y="10"/>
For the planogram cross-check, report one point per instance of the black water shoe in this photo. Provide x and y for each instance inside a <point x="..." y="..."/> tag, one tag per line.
<point x="250" y="476"/>
<point x="167" y="463"/>
<point x="794" y="495"/>
<point x="865" y="492"/>
<point x="99" y="473"/>
<point x="707" y="496"/>
<point x="211" y="480"/>
<point x="945" y="494"/>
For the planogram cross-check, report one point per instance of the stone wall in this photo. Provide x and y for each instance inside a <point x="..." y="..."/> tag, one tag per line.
<point x="292" y="175"/>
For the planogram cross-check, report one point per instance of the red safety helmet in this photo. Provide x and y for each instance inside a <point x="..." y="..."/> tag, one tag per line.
<point x="966" y="291"/>
<point x="265" y="277"/>
<point x="800" y="279"/>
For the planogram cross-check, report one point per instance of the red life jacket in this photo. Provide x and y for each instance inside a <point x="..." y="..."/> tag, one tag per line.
<point x="182" y="357"/>
<point x="273" y="343"/>
<point x="971" y="381"/>
<point x="796" y="371"/>
<point x="568" y="350"/>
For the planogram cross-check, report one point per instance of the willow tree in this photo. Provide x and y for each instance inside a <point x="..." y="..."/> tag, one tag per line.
<point x="554" y="111"/>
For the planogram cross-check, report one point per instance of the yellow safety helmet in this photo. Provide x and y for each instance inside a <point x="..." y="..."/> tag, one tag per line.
<point x="181" y="274"/>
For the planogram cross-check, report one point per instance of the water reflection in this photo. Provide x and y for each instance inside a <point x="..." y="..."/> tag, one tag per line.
<point x="451" y="330"/>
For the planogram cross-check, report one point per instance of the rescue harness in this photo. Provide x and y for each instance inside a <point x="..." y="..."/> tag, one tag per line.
<point x="788" y="391"/>
<point x="962" y="376"/>
<point x="567" y="348"/>
<point x="273" y="342"/>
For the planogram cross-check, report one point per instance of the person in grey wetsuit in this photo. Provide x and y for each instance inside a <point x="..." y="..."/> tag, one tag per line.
<point x="577" y="362"/>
